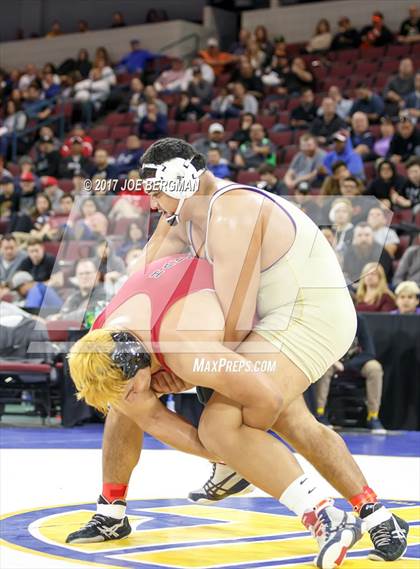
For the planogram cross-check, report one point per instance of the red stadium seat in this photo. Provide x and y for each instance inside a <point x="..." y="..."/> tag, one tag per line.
<point x="196" y="136"/>
<point x="13" y="168"/>
<point x="389" y="66"/>
<point x="282" y="139"/>
<point x="99" y="132"/>
<point x="266" y="121"/>
<point x="403" y="216"/>
<point x="172" y="127"/>
<point x="58" y="330"/>
<point x="231" y="124"/>
<point x="119" y="132"/>
<point x="186" y="128"/>
<point x="107" y="145"/>
<point x="113" y="119"/>
<point x="121" y="225"/>
<point x="403" y="245"/>
<point x="127" y="118"/>
<point x="347" y="55"/>
<point x="398" y="51"/>
<point x="372" y="53"/>
<point x="66" y="185"/>
<point x="52" y="247"/>
<point x="247" y="177"/>
<point x="289" y="153"/>
<point x="366" y="68"/>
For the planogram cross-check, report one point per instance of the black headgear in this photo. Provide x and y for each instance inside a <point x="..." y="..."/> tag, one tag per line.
<point x="129" y="354"/>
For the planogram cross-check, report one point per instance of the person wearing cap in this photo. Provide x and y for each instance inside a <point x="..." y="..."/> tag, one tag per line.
<point x="9" y="197"/>
<point x="406" y="140"/>
<point x="34" y="294"/>
<point x="74" y="163"/>
<point x="257" y="151"/>
<point x="325" y="125"/>
<point x="136" y="59"/>
<point x="377" y="33"/>
<point x="50" y="188"/>
<point x="28" y="192"/>
<point x="343" y="151"/>
<point x="367" y="102"/>
<point x="347" y="36"/>
<point x="87" y="142"/>
<point x="10" y="257"/>
<point x="47" y="159"/>
<point x="218" y="60"/>
<point x="216" y="133"/>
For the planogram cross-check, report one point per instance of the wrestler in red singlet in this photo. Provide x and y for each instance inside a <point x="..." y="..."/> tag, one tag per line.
<point x="164" y="281"/>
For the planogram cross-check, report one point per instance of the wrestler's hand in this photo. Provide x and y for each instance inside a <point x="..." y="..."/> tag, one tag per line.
<point x="165" y="382"/>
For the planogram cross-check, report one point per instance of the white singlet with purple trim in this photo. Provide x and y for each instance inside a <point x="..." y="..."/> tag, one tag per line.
<point x="303" y="304"/>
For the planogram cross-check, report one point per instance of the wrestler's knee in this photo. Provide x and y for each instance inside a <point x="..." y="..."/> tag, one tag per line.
<point x="213" y="434"/>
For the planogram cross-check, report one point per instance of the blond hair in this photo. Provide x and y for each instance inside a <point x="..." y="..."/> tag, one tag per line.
<point x="98" y="380"/>
<point x="382" y="287"/>
<point x="409" y="287"/>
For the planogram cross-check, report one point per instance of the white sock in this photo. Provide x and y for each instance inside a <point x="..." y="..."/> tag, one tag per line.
<point x="116" y="511"/>
<point x="302" y="495"/>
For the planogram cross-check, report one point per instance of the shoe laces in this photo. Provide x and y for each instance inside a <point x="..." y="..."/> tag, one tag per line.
<point x="209" y="484"/>
<point x="323" y="525"/>
<point x="380" y="535"/>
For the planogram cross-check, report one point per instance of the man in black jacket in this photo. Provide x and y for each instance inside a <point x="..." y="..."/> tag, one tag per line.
<point x="38" y="263"/>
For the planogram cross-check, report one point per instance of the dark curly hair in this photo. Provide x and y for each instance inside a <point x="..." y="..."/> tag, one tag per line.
<point x="168" y="148"/>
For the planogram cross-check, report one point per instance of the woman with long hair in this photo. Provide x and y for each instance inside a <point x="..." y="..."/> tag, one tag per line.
<point x="386" y="180"/>
<point x="373" y="293"/>
<point x="322" y="38"/>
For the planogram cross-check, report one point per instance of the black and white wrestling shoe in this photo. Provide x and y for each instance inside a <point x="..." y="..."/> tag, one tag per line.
<point x="387" y="531"/>
<point x="223" y="483"/>
<point x="101" y="527"/>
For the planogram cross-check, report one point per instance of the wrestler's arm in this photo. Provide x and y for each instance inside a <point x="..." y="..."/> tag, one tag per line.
<point x="141" y="405"/>
<point x="229" y="374"/>
<point x="166" y="240"/>
<point x="234" y="240"/>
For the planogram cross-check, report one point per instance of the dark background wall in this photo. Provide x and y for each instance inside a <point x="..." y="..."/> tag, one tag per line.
<point x="36" y="16"/>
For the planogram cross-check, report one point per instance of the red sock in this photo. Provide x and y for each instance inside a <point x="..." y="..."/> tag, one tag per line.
<point x="368" y="496"/>
<point x="114" y="491"/>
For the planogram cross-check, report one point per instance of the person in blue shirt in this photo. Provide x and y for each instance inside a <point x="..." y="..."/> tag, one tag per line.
<point x="368" y="102"/>
<point x="36" y="294"/>
<point x="129" y="159"/>
<point x="343" y="151"/>
<point x="217" y="165"/>
<point x="137" y="58"/>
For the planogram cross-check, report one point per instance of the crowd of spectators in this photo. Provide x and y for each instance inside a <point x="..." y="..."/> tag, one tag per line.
<point x="334" y="132"/>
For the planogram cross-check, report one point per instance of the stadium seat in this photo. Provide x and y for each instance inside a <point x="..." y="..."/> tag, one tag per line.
<point x="282" y="139"/>
<point x="372" y="52"/>
<point x="247" y="177"/>
<point x="402" y="216"/>
<point x="107" y="145"/>
<point x="366" y="68"/>
<point x="186" y="128"/>
<point x="113" y="119"/>
<point x="58" y="330"/>
<point x="232" y="124"/>
<point x="389" y="66"/>
<point x="99" y="132"/>
<point x="52" y="247"/>
<point x="347" y="55"/>
<point x="119" y="132"/>
<point x="121" y="225"/>
<point x="403" y="244"/>
<point x="289" y="153"/>
<point x="398" y="51"/>
<point x="31" y="375"/>
<point x="66" y="185"/>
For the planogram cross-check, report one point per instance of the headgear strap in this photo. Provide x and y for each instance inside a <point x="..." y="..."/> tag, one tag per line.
<point x="129" y="354"/>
